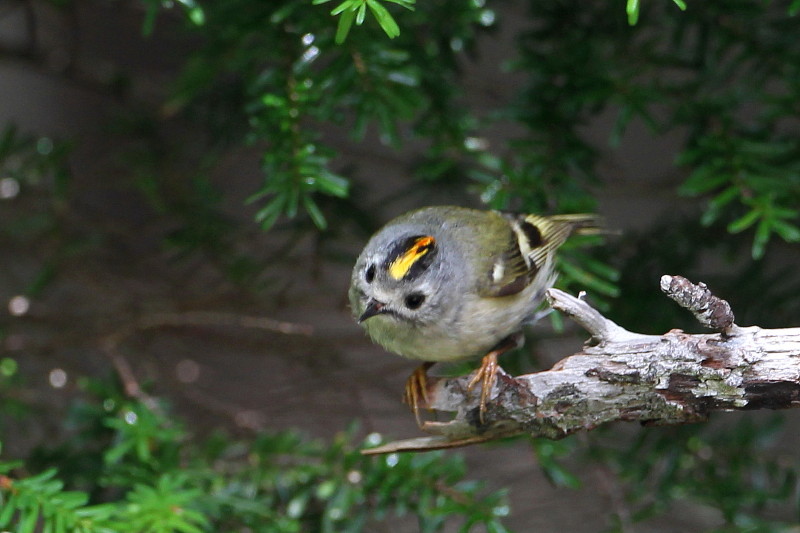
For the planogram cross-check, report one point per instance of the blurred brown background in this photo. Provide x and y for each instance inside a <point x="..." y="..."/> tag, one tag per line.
<point x="76" y="75"/>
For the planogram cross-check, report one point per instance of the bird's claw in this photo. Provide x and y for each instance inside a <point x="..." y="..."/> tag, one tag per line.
<point x="416" y="391"/>
<point x="486" y="375"/>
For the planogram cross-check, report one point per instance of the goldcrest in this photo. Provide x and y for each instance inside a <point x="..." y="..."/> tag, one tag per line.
<point x="448" y="283"/>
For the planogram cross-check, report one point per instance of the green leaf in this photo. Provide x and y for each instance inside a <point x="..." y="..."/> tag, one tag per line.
<point x="716" y="204"/>
<point x="741" y="224"/>
<point x="761" y="239"/>
<point x="283" y="13"/>
<point x="347" y="5"/>
<point x="197" y="16"/>
<point x="603" y="269"/>
<point x="8" y="367"/>
<point x="561" y="477"/>
<point x="149" y="23"/>
<point x="362" y="13"/>
<point x="557" y="322"/>
<point x="409" y="4"/>
<point x="30" y="517"/>
<point x="496" y="527"/>
<point x="787" y="231"/>
<point x="268" y="214"/>
<point x="385" y="18"/>
<point x="292" y="202"/>
<point x="42" y="477"/>
<point x="589" y="281"/>
<point x="783" y="212"/>
<point x="548" y="453"/>
<point x="794" y="8"/>
<point x="632" y="8"/>
<point x="326" y="489"/>
<point x="703" y="180"/>
<point x="314" y="212"/>
<point x="343" y="28"/>
<point x="681" y="4"/>
<point x="334" y="185"/>
<point x="8" y="509"/>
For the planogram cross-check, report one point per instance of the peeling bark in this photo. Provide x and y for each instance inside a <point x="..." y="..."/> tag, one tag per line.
<point x="673" y="378"/>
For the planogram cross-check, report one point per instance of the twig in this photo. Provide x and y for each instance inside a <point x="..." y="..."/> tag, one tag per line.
<point x="602" y="329"/>
<point x="712" y="312"/>
<point x="673" y="378"/>
<point x="217" y="319"/>
<point x="110" y="343"/>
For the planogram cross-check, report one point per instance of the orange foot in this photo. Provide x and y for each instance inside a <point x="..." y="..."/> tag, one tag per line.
<point x="486" y="374"/>
<point x="417" y="389"/>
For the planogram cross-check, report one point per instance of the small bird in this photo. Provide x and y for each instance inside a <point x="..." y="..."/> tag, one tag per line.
<point x="446" y="283"/>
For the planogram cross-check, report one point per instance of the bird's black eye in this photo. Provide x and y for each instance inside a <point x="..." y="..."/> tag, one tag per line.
<point x="414" y="300"/>
<point x="369" y="274"/>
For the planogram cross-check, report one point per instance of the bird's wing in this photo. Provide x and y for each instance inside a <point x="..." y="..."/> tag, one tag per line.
<point x="525" y="248"/>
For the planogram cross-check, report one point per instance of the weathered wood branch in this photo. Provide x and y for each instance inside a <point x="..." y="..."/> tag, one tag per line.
<point x="673" y="378"/>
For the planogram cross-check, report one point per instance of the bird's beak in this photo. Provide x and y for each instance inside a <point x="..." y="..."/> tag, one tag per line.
<point x="374" y="307"/>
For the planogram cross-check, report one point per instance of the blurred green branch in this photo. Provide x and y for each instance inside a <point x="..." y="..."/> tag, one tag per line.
<point x="632" y="9"/>
<point x="701" y="68"/>
<point x="151" y="478"/>
<point x="356" y="10"/>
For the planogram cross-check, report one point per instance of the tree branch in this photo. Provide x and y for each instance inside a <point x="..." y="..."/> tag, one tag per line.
<point x="110" y="343"/>
<point x="673" y="378"/>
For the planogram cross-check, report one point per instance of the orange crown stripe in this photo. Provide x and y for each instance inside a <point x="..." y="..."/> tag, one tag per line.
<point x="400" y="266"/>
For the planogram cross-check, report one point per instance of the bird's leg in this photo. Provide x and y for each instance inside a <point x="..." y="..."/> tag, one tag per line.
<point x="417" y="389"/>
<point x="486" y="374"/>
